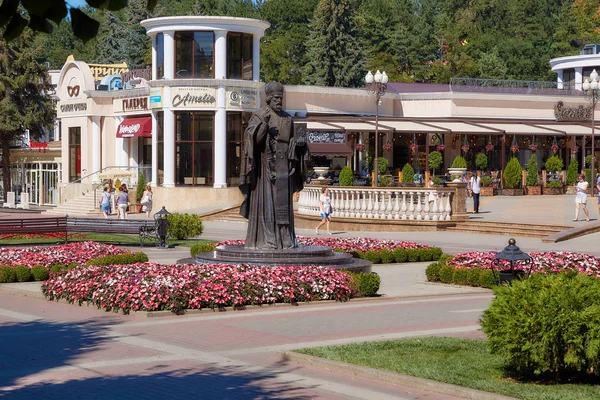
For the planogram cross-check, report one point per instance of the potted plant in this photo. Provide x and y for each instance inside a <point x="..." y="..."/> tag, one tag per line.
<point x="408" y="175"/>
<point x="346" y="176"/>
<point x="486" y="186"/>
<point x="532" y="187"/>
<point x="572" y="172"/>
<point x="512" y="178"/>
<point x="553" y="165"/>
<point x="481" y="161"/>
<point x="553" y="187"/>
<point x="435" y="160"/>
<point x="458" y="168"/>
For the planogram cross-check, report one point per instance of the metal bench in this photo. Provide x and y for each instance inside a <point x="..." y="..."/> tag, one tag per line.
<point x="145" y="229"/>
<point x="34" y="225"/>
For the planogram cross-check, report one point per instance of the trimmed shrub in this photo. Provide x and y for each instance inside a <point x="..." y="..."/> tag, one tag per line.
<point x="7" y="274"/>
<point x="382" y="164"/>
<point x="446" y="273"/>
<point x="400" y="255"/>
<point x="184" y="226"/>
<point x="436" y="253"/>
<point x="358" y="253"/>
<point x="486" y="181"/>
<point x="141" y="186"/>
<point x="387" y="256"/>
<point x="554" y="184"/>
<point x="201" y="248"/>
<point x="460" y="276"/>
<point x="459" y="162"/>
<point x="408" y="174"/>
<point x="413" y="255"/>
<point x="40" y="273"/>
<point x="487" y="278"/>
<point x="512" y="173"/>
<point x="346" y="176"/>
<point x="572" y="171"/>
<point x="369" y="284"/>
<point x="354" y="282"/>
<point x="481" y="161"/>
<point x="372" y="256"/>
<point x="532" y="171"/>
<point x="474" y="277"/>
<point x="435" y="160"/>
<point x="426" y="255"/>
<point x="547" y="325"/>
<point x="445" y="258"/>
<point x="119" y="259"/>
<point x="58" y="268"/>
<point x="23" y="273"/>
<point x="433" y="272"/>
<point x="554" y="164"/>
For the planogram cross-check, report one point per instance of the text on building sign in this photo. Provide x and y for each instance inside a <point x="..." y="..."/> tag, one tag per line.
<point x="139" y="103"/>
<point x="326" y="137"/>
<point x="129" y="129"/>
<point x="73" y="107"/>
<point x="189" y="99"/>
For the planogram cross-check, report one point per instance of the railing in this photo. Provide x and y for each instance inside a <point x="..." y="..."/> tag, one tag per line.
<point x="510" y="86"/>
<point x="402" y="204"/>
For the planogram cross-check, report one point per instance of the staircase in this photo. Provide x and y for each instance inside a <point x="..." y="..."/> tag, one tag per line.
<point x="84" y="205"/>
<point x="229" y="215"/>
<point x="507" y="228"/>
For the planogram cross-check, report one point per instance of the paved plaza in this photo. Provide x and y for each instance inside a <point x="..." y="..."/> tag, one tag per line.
<point x="54" y="350"/>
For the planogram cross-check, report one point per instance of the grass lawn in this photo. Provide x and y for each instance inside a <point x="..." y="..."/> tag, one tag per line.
<point x="97" y="237"/>
<point x="461" y="362"/>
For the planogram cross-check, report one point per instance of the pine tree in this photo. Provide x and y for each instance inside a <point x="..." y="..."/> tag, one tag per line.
<point x="25" y="102"/>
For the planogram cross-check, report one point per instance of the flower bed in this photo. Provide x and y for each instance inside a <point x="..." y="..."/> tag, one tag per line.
<point x="155" y="287"/>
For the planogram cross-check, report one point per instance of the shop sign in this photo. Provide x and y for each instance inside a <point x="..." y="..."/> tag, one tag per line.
<point x="244" y="98"/>
<point x="326" y="137"/>
<point x="193" y="97"/>
<point x="155" y="97"/>
<point x="99" y="71"/>
<point x="38" y="145"/>
<point x="134" y="104"/>
<point x="72" y="107"/>
<point x="134" y="75"/>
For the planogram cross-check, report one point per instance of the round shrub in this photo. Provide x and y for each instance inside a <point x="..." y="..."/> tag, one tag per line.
<point x="436" y="253"/>
<point x="435" y="159"/>
<point x="369" y="284"/>
<point x="554" y="164"/>
<point x="40" y="273"/>
<point x="119" y="259"/>
<point x="23" y="273"/>
<point x="474" y="277"/>
<point x="346" y="176"/>
<point x="400" y="255"/>
<point x="408" y="174"/>
<point x="413" y="255"/>
<point x="547" y="324"/>
<point x="445" y="258"/>
<point x="446" y="273"/>
<point x="354" y="282"/>
<point x="372" y="256"/>
<point x="357" y="254"/>
<point x="487" y="278"/>
<point x="387" y="256"/>
<point x="433" y="272"/>
<point x="201" y="248"/>
<point x="7" y="274"/>
<point x="459" y="162"/>
<point x="460" y="276"/>
<point x="481" y="161"/>
<point x="184" y="226"/>
<point x="512" y="173"/>
<point x="426" y="255"/>
<point x="58" y="268"/>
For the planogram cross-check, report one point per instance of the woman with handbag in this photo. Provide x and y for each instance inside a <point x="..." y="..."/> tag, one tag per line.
<point x="123" y="202"/>
<point x="146" y="201"/>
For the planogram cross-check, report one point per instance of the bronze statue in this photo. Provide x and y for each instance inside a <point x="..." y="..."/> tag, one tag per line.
<point x="273" y="169"/>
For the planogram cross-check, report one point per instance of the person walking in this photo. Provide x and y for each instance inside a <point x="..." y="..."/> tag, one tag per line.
<point x="325" y="204"/>
<point x="146" y="201"/>
<point x="123" y="201"/>
<point x="581" y="197"/>
<point x="475" y="183"/>
<point x="105" y="202"/>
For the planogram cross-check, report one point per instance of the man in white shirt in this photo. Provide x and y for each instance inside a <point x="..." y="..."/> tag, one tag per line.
<point x="475" y="189"/>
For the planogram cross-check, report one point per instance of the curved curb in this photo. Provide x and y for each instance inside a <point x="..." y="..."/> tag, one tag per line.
<point x="392" y="377"/>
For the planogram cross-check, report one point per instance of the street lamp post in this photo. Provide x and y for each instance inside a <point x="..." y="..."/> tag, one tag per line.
<point x="376" y="85"/>
<point x="591" y="91"/>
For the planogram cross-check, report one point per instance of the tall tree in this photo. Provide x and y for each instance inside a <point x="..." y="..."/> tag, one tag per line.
<point x="333" y="46"/>
<point x="25" y="102"/>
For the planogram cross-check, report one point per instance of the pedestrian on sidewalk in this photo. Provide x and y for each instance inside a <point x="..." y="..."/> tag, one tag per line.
<point x="475" y="184"/>
<point x="598" y="188"/>
<point x="123" y="201"/>
<point x="581" y="197"/>
<point x="146" y="201"/>
<point x="325" y="204"/>
<point x="105" y="203"/>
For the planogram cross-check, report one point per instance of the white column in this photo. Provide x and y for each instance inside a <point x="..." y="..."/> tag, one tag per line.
<point x="169" y="148"/>
<point x="220" y="54"/>
<point x="154" y="181"/>
<point x="220" y="165"/>
<point x="559" y="79"/>
<point x="169" y="53"/>
<point x="578" y="77"/>
<point x="154" y="57"/>
<point x="256" y="58"/>
<point x="96" y="146"/>
<point x="120" y="148"/>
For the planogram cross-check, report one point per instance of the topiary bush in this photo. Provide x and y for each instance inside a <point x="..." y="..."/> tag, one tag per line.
<point x="446" y="273"/>
<point x="400" y="255"/>
<point x="572" y="172"/>
<point x="532" y="171"/>
<point x="436" y="253"/>
<point x="387" y="256"/>
<point x="201" y="248"/>
<point x="23" y="273"/>
<point x="369" y="284"/>
<point x="474" y="277"/>
<point x="459" y="162"/>
<point x="408" y="174"/>
<point x="554" y="164"/>
<point x="413" y="255"/>
<point x="481" y="161"/>
<point x="119" y="259"/>
<point x="547" y="325"/>
<point x="7" y="274"/>
<point x="346" y="176"/>
<point x="357" y="254"/>
<point x="432" y="272"/>
<point x="184" y="226"/>
<point x="382" y="164"/>
<point x="426" y="255"/>
<point x="435" y="160"/>
<point x="40" y="273"/>
<point x="372" y="256"/>
<point x="58" y="268"/>
<point x="512" y="174"/>
<point x="460" y="276"/>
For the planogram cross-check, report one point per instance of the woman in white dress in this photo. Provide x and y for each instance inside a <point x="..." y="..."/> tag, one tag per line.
<point x="581" y="197"/>
<point x="325" y="205"/>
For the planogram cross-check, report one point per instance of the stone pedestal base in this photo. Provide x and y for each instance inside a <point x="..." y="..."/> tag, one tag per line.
<point x="459" y="201"/>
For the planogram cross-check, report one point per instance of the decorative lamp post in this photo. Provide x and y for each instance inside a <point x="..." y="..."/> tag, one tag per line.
<point x="377" y="86"/>
<point x="591" y="91"/>
<point x="514" y="255"/>
<point x="162" y="226"/>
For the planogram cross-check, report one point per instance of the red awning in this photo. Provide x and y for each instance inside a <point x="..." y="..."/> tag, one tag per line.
<point x="329" y="149"/>
<point x="135" y="127"/>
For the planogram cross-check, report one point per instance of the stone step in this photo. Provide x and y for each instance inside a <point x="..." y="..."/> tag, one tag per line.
<point x="539" y="232"/>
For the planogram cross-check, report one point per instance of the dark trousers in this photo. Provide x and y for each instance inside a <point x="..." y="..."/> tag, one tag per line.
<point x="476" y="202"/>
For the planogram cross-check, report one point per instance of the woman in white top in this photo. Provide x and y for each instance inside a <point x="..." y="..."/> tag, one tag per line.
<point x="581" y="197"/>
<point x="325" y="204"/>
<point x="146" y="201"/>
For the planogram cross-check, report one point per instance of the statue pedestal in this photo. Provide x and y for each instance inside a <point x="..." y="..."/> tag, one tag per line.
<point x="459" y="201"/>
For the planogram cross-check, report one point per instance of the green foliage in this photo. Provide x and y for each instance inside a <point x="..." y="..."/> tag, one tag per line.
<point x="413" y="255"/>
<point x="141" y="186"/>
<point x="408" y="174"/>
<point x="357" y="254"/>
<point x="7" y="274"/>
<point x="369" y="284"/>
<point x="435" y="159"/>
<point x="58" y="268"/>
<point x="446" y="273"/>
<point x="460" y="276"/>
<point x="512" y="173"/>
<point x="554" y="164"/>
<point x="346" y="176"/>
<point x="554" y="184"/>
<point x="547" y="324"/>
<point x="382" y="165"/>
<point x="184" y="226"/>
<point x="437" y="181"/>
<point x="588" y="160"/>
<point x="481" y="161"/>
<point x="572" y="171"/>
<point x="23" y="273"/>
<point x="372" y="256"/>
<point x="201" y="248"/>
<point x="400" y="255"/>
<point x="40" y="273"/>
<point x="486" y="181"/>
<point x="474" y="276"/>
<point x="487" y="279"/>
<point x="432" y="272"/>
<point x="384" y="181"/>
<point x="119" y="259"/>
<point x="436" y="253"/>
<point x="387" y="256"/>
<point x="459" y="162"/>
<point x="532" y="171"/>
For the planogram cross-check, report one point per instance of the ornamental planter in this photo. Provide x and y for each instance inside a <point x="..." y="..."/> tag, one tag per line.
<point x="552" y="191"/>
<point x="512" y="192"/>
<point x="533" y="190"/>
<point x="486" y="191"/>
<point x="456" y="173"/>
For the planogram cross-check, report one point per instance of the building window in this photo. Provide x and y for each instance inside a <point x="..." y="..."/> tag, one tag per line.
<point x="194" y="55"/>
<point x="569" y="79"/>
<point x="236" y="125"/>
<point x="160" y="56"/>
<point x="74" y="153"/>
<point x="239" y="56"/>
<point x="194" y="148"/>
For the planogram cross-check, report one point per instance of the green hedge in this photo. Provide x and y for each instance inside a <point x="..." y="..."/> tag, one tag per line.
<point x="40" y="273"/>
<point x="119" y="259"/>
<point x="184" y="226"/>
<point x="398" y="255"/>
<point x="23" y="273"/>
<point x="7" y="274"/>
<point x="201" y="248"/>
<point x="366" y="284"/>
<point x="439" y="271"/>
<point x="547" y="326"/>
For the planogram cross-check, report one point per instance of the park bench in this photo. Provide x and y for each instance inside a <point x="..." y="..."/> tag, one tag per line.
<point x="34" y="225"/>
<point x="145" y="229"/>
